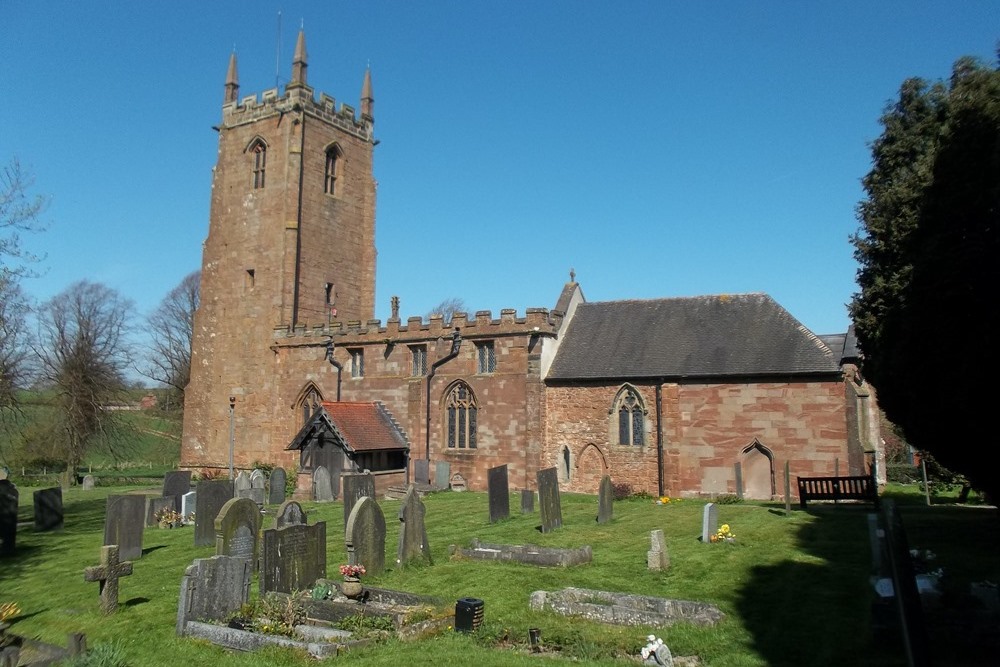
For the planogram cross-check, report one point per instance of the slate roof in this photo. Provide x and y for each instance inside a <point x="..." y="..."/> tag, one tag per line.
<point x="356" y="426"/>
<point x="693" y="337"/>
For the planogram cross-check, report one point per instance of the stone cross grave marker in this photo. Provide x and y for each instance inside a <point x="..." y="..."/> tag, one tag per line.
<point x="442" y="475"/>
<point x="322" y="485"/>
<point x="605" y="500"/>
<point x="212" y="589"/>
<point x="499" y="493"/>
<point x="176" y="483"/>
<point x="89" y="483"/>
<point x="155" y="505"/>
<point x="189" y="502"/>
<point x="548" y="499"/>
<point x="527" y="501"/>
<point x="709" y="522"/>
<point x="356" y="486"/>
<point x="365" y="536"/>
<point x="657" y="557"/>
<point x="108" y="573"/>
<point x="8" y="517"/>
<point x="422" y="471"/>
<point x="293" y="558"/>
<point x="48" y="509"/>
<point x="212" y="495"/>
<point x="237" y="528"/>
<point x="276" y="487"/>
<point x="124" y="524"/>
<point x="290" y="513"/>
<point x="413" y="543"/>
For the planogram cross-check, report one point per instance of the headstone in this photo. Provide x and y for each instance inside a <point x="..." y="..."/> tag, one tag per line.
<point x="155" y="505"/>
<point x="322" y="485"/>
<point x="124" y="523"/>
<point x="356" y="486"/>
<point x="422" y="471"/>
<point x="605" y="500"/>
<point x="212" y="589"/>
<point x="237" y="528"/>
<point x="257" y="479"/>
<point x="89" y="483"/>
<point x="527" y="501"/>
<point x="365" y="536"/>
<point x="276" y="487"/>
<point x="499" y="493"/>
<point x="290" y="513"/>
<point x="177" y="483"/>
<point x="442" y="475"/>
<point x="212" y="495"/>
<point x="293" y="558"/>
<point x="241" y="483"/>
<point x="8" y="517"/>
<point x="657" y="557"/>
<point x="189" y="505"/>
<point x="108" y="573"/>
<point x="48" y="509"/>
<point x="738" y="470"/>
<point x="458" y="482"/>
<point x="413" y="543"/>
<point x="709" y="522"/>
<point x="254" y="494"/>
<point x="548" y="499"/>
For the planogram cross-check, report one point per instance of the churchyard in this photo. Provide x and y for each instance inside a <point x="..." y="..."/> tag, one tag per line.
<point x="787" y="589"/>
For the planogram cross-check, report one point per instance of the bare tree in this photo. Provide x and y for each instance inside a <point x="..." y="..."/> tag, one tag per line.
<point x="19" y="212"/>
<point x="172" y="328"/>
<point x="14" y="350"/>
<point x="448" y="308"/>
<point x="83" y="353"/>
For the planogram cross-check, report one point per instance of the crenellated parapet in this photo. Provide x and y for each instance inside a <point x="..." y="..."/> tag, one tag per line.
<point x="251" y="109"/>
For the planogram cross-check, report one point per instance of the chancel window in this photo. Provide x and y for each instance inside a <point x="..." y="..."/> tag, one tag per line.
<point x="258" y="150"/>
<point x="334" y="159"/>
<point x="631" y="418"/>
<point x="462" y="412"/>
<point x="486" y="358"/>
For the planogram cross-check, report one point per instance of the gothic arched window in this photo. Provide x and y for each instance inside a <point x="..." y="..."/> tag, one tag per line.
<point x="631" y="417"/>
<point x="309" y="403"/>
<point x="334" y="158"/>
<point x="461" y="411"/>
<point x="258" y="151"/>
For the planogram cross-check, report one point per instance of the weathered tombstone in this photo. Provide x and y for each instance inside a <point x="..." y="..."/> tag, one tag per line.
<point x="413" y="543"/>
<point x="48" y="509"/>
<point x="8" y="517"/>
<point x="422" y="471"/>
<point x="257" y="479"/>
<point x="657" y="557"/>
<point x="458" y="482"/>
<point x="442" y="475"/>
<point x="709" y="522"/>
<point x="527" y="501"/>
<point x="89" y="483"/>
<point x="124" y="523"/>
<point x="548" y="499"/>
<point x="605" y="500"/>
<point x="322" y="485"/>
<point x="108" y="572"/>
<point x="290" y="513"/>
<point x="241" y="483"/>
<point x="499" y="493"/>
<point x="176" y="483"/>
<point x="189" y="505"/>
<point x="254" y="494"/>
<point x="356" y="486"/>
<point x="276" y="487"/>
<point x="237" y="528"/>
<point x="212" y="495"/>
<point x="365" y="536"/>
<point x="212" y="589"/>
<point x="738" y="470"/>
<point x="155" y="505"/>
<point x="294" y="557"/>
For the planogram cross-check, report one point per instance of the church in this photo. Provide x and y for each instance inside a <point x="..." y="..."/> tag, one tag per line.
<point x="682" y="397"/>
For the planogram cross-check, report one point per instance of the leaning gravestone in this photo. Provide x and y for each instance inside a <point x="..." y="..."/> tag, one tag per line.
<point x="290" y="513"/>
<point x="48" y="509"/>
<point x="657" y="558"/>
<point x="365" y="536"/>
<point x="548" y="499"/>
<point x="212" y="495"/>
<point x="293" y="558"/>
<point x="442" y="475"/>
<point x="89" y="483"/>
<point x="177" y="483"/>
<point x="212" y="589"/>
<point x="8" y="517"/>
<point x="155" y="506"/>
<point x="276" y="487"/>
<point x="709" y="522"/>
<point x="413" y="543"/>
<point x="237" y="528"/>
<point x="422" y="471"/>
<point x="124" y="523"/>
<point x="499" y="493"/>
<point x="356" y="486"/>
<point x="322" y="485"/>
<point x="605" y="501"/>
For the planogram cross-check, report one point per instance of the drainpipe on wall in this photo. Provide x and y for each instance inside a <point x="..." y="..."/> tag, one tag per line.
<point x="456" y="344"/>
<point x="659" y="438"/>
<point x="336" y="364"/>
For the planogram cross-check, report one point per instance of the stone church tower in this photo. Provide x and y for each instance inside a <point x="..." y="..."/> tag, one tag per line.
<point x="291" y="243"/>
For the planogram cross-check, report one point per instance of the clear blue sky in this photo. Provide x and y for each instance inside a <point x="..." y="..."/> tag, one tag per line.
<point x="658" y="148"/>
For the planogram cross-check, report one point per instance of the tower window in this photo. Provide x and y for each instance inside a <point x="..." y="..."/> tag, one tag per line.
<point x="334" y="158"/>
<point x="461" y="411"/>
<point x="486" y="358"/>
<point x="259" y="152"/>
<point x="418" y="354"/>
<point x="357" y="362"/>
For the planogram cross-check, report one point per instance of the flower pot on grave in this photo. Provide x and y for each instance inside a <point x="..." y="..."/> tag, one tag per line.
<point x="352" y="588"/>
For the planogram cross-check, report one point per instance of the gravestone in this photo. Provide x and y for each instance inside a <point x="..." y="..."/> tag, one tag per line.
<point x="365" y="536"/>
<point x="189" y="502"/>
<point x="254" y="494"/>
<point x="177" y="483"/>
<point x="413" y="543"/>
<point x="422" y="471"/>
<point x="548" y="499"/>
<point x="237" y="528"/>
<point x="605" y="500"/>
<point x="212" y="495"/>
<point x="458" y="482"/>
<point x="257" y="491"/>
<point x="738" y="471"/>
<point x="276" y="487"/>
<point x="322" y="485"/>
<point x="241" y="483"/>
<point x="293" y="558"/>
<point x="356" y="486"/>
<point x="108" y="573"/>
<point x="709" y="522"/>
<point x="8" y="517"/>
<point x="212" y="589"/>
<point x="155" y="505"/>
<point x="290" y="513"/>
<point x="527" y="501"/>
<point x="442" y="475"/>
<point x="257" y="479"/>
<point x="89" y="483"/>
<point x="124" y="523"/>
<point x="657" y="557"/>
<point x="499" y="493"/>
<point x="48" y="509"/>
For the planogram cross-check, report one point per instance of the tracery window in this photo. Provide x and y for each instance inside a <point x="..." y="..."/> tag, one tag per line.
<point x="462" y="411"/>
<point x="334" y="158"/>
<point x="258" y="149"/>
<point x="631" y="416"/>
<point x="309" y="403"/>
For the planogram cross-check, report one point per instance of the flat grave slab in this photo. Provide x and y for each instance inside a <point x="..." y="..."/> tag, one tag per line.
<point x="625" y="608"/>
<point x="529" y="554"/>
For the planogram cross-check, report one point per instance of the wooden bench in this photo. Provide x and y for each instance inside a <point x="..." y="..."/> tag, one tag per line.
<point x="859" y="487"/>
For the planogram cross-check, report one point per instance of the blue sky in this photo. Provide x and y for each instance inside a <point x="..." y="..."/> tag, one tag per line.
<point x="658" y="148"/>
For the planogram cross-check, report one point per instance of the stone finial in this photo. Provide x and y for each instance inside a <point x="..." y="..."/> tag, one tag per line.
<point x="299" y="64"/>
<point x="367" y="97"/>
<point x="395" y="307"/>
<point x="232" y="81"/>
<point x="108" y="573"/>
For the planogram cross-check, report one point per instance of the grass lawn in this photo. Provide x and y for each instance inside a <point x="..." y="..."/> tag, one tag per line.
<point x="795" y="589"/>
